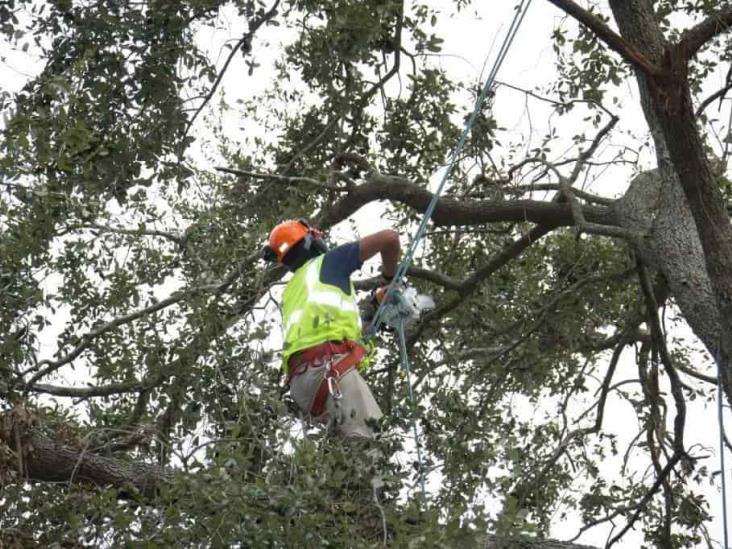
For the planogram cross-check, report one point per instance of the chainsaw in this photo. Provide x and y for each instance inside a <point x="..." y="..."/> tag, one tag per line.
<point x="399" y="304"/>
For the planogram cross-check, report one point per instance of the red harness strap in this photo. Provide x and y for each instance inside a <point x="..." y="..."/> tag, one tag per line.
<point x="354" y="354"/>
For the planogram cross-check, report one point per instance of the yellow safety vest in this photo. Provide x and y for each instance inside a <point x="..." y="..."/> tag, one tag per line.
<point x="313" y="312"/>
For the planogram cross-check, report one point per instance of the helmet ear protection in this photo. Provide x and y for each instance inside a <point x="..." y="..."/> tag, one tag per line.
<point x="314" y="238"/>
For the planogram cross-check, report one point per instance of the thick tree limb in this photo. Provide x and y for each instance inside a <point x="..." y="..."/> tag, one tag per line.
<point x="45" y="460"/>
<point x="615" y="42"/>
<point x="715" y="24"/>
<point x="87" y="392"/>
<point x="450" y="211"/>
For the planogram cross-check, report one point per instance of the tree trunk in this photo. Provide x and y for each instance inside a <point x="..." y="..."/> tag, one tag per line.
<point x="656" y="206"/>
<point x="684" y="167"/>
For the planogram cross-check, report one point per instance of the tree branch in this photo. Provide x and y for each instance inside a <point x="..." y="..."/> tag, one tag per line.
<point x="643" y="502"/>
<point x="583" y="195"/>
<point x="244" y="44"/>
<point x="719" y="94"/>
<point x="447" y="282"/>
<point x="702" y="33"/>
<point x="660" y="343"/>
<point x="614" y="41"/>
<point x="450" y="211"/>
<point x="45" y="460"/>
<point x="555" y="102"/>
<point x="87" y="338"/>
<point x="87" y="392"/>
<point x="679" y="453"/>
<point x="468" y="285"/>
<point x="581" y="432"/>
<point x="285" y="178"/>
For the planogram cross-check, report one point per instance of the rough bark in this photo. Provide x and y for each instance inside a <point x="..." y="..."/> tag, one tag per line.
<point x="450" y="211"/>
<point x="656" y="207"/>
<point x="40" y="458"/>
<point x="492" y="542"/>
<point x="683" y="165"/>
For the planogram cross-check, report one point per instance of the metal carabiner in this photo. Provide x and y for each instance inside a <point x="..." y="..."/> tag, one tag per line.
<point x="334" y="388"/>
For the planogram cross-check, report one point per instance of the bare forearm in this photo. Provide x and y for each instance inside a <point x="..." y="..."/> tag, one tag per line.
<point x="389" y="259"/>
<point x="385" y="243"/>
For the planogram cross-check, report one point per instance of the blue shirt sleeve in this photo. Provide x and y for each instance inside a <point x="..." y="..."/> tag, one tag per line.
<point x="339" y="263"/>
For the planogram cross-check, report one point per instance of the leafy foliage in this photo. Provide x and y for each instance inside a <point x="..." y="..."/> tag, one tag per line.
<point x="137" y="321"/>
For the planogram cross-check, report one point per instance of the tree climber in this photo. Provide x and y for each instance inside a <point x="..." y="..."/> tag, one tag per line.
<point x="321" y="323"/>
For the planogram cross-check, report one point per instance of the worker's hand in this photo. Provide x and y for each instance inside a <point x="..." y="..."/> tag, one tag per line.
<point x="371" y="305"/>
<point x="384" y="280"/>
<point x="380" y="293"/>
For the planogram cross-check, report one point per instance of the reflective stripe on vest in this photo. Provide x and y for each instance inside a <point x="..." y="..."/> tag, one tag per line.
<point x="313" y="312"/>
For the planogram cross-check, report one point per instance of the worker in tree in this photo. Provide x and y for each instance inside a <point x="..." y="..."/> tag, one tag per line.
<point x="322" y="326"/>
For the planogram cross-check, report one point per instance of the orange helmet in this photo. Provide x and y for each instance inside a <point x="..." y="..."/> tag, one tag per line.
<point x="287" y="235"/>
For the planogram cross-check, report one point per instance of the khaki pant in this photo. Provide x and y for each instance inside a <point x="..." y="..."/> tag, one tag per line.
<point x="346" y="416"/>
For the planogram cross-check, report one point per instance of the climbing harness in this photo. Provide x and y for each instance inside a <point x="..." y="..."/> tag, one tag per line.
<point x="383" y="309"/>
<point x="350" y="354"/>
<point x="720" y="419"/>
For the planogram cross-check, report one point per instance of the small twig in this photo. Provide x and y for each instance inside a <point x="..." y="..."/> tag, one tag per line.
<point x="564" y="104"/>
<point x="243" y="44"/>
<point x="588" y="197"/>
<point x="178" y="239"/>
<point x="286" y="178"/>
<point x="381" y="511"/>
<point x="719" y="94"/>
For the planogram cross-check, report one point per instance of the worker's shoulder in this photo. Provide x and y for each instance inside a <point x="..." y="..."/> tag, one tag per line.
<point x="339" y="263"/>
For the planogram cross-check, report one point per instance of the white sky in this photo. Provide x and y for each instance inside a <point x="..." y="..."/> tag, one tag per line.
<point x="471" y="41"/>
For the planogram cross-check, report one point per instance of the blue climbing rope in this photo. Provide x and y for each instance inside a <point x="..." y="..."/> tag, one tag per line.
<point x="521" y="10"/>
<point x="720" y="419"/>
<point x="454" y="155"/>
<point x="412" y="401"/>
